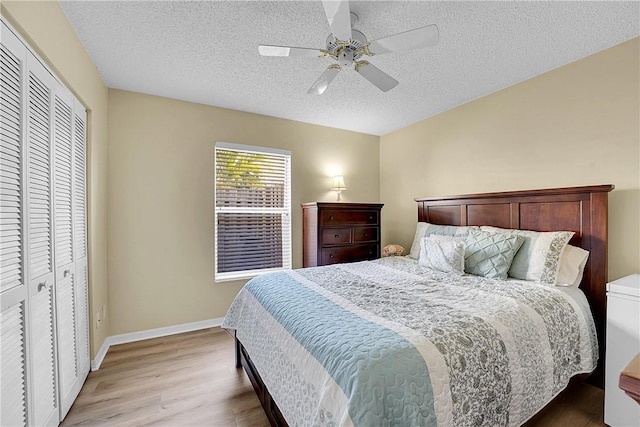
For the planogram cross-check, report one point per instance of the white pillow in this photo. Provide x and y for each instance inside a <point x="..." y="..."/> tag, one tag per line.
<point x="538" y="259"/>
<point x="442" y="254"/>
<point x="572" y="263"/>
<point x="424" y="229"/>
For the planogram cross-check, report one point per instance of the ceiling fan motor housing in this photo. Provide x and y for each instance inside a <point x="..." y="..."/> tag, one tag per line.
<point x="347" y="51"/>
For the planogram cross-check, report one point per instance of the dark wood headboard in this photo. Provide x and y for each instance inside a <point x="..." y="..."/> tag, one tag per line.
<point x="582" y="210"/>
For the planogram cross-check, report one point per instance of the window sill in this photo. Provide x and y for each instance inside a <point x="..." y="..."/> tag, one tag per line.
<point x="245" y="275"/>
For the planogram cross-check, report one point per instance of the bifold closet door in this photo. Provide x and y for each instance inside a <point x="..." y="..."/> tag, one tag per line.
<point x="13" y="287"/>
<point x="40" y="245"/>
<point x="70" y="247"/>
<point x="65" y="268"/>
<point x="44" y="324"/>
<point x="28" y="333"/>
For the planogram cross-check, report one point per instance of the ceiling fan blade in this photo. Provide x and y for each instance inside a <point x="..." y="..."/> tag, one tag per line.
<point x="412" y="39"/>
<point x="266" y="50"/>
<point x="379" y="78"/>
<point x="339" y="17"/>
<point x="324" y="80"/>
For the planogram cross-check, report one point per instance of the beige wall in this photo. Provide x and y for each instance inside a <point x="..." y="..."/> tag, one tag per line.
<point x="576" y="125"/>
<point x="45" y="27"/>
<point x="160" y="180"/>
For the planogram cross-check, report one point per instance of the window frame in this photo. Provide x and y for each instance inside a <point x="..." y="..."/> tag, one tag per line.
<point x="285" y="211"/>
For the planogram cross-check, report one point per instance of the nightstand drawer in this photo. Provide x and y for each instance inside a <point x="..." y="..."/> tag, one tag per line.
<point x="361" y="234"/>
<point x="348" y="254"/>
<point x="334" y="236"/>
<point x="330" y="217"/>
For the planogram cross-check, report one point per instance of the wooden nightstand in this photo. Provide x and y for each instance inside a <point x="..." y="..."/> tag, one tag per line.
<point x="340" y="232"/>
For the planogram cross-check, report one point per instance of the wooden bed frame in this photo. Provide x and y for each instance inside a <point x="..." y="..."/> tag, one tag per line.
<point x="582" y="210"/>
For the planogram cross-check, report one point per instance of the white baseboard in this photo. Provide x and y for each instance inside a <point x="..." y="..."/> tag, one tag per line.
<point x="151" y="333"/>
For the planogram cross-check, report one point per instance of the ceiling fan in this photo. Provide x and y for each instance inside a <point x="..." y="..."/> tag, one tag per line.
<point x="347" y="45"/>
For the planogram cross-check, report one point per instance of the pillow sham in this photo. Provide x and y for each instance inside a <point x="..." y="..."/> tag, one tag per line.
<point x="490" y="254"/>
<point x="442" y="254"/>
<point x="424" y="229"/>
<point x="538" y="259"/>
<point x="572" y="263"/>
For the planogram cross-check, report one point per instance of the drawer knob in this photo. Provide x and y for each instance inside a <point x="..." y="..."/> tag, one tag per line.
<point x="331" y="256"/>
<point x="370" y="216"/>
<point x="366" y="234"/>
<point x="331" y="218"/>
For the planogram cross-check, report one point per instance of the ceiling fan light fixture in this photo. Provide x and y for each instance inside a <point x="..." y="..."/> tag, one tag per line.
<point x="346" y="46"/>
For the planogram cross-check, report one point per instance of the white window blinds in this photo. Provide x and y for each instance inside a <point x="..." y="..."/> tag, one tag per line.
<point x="253" y="210"/>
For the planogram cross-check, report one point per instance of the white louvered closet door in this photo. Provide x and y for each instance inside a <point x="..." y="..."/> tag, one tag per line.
<point x="13" y="288"/>
<point x="65" y="269"/>
<point x="44" y="323"/>
<point x="39" y="230"/>
<point x="80" y="236"/>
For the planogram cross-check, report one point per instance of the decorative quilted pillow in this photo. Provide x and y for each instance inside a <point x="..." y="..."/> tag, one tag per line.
<point x="424" y="229"/>
<point x="490" y="254"/>
<point x="539" y="258"/>
<point x="441" y="254"/>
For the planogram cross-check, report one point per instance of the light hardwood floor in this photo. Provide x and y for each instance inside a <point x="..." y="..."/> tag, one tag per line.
<point x="190" y="380"/>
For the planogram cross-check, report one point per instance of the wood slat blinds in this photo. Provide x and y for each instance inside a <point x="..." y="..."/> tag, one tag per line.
<point x="253" y="210"/>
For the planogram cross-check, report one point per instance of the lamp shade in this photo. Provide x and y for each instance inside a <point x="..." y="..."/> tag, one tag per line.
<point x="337" y="184"/>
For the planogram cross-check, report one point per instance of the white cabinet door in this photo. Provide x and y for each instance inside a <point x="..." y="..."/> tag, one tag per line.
<point x="623" y="344"/>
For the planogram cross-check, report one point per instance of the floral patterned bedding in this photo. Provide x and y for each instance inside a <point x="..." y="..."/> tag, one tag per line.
<point x="391" y="343"/>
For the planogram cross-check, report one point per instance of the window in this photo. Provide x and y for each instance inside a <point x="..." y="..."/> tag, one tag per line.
<point x="253" y="210"/>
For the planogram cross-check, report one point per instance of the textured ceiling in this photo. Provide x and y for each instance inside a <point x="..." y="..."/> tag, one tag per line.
<point x="207" y="52"/>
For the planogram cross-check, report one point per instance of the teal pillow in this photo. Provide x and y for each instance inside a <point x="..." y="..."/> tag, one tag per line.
<point x="490" y="254"/>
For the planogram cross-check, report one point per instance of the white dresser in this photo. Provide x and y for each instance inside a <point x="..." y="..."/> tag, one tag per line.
<point x="623" y="344"/>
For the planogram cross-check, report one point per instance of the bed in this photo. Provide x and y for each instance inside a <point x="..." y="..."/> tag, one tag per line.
<point x="391" y="342"/>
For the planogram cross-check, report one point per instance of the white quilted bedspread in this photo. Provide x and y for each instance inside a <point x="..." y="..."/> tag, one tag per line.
<point x="390" y="343"/>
